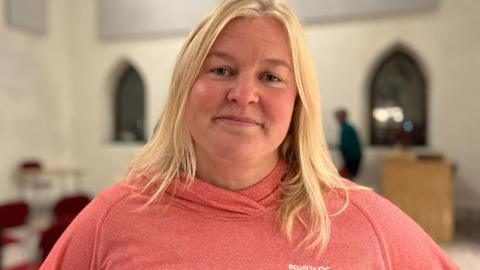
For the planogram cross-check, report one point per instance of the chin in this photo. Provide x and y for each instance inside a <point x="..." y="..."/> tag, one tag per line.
<point x="244" y="153"/>
<point x="233" y="155"/>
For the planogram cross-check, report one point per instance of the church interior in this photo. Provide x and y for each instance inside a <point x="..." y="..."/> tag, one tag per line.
<point x="406" y="72"/>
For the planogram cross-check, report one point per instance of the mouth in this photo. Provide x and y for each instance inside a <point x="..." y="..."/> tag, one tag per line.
<point x="237" y="120"/>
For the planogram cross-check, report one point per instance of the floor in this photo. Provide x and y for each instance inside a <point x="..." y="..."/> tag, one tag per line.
<point x="24" y="251"/>
<point x="465" y="253"/>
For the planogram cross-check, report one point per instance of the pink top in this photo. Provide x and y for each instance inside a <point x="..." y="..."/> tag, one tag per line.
<point x="206" y="227"/>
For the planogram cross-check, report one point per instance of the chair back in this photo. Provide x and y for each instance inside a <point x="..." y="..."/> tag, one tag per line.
<point x="13" y="214"/>
<point x="31" y="165"/>
<point x="70" y="206"/>
<point x="52" y="234"/>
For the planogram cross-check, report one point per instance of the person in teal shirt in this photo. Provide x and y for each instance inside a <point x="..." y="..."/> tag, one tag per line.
<point x="350" y="146"/>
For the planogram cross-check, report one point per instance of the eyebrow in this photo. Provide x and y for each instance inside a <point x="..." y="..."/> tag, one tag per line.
<point x="278" y="62"/>
<point x="221" y="54"/>
<point x="270" y="61"/>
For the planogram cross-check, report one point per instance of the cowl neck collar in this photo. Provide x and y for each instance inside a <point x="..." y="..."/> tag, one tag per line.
<point x="206" y="199"/>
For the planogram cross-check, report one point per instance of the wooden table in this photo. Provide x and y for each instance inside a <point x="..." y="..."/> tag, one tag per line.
<point x="424" y="190"/>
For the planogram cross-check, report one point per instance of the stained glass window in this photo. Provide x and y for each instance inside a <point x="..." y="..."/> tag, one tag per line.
<point x="398" y="102"/>
<point x="130" y="107"/>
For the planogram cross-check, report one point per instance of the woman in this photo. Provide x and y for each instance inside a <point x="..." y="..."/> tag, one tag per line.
<point x="237" y="175"/>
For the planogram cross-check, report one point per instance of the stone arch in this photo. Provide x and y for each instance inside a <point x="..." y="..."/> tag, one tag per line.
<point x="127" y="102"/>
<point x="398" y="99"/>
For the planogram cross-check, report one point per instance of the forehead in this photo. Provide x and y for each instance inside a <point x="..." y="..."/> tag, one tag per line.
<point x="244" y="31"/>
<point x="264" y="28"/>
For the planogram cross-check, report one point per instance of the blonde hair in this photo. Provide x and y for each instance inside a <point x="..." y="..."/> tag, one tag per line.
<point x="311" y="172"/>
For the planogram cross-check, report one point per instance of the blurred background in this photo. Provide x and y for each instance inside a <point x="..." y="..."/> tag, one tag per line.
<point x="83" y="83"/>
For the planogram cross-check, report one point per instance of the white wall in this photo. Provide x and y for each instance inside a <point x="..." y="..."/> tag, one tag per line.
<point x="449" y="51"/>
<point x="97" y="64"/>
<point x="35" y="110"/>
<point x="344" y="53"/>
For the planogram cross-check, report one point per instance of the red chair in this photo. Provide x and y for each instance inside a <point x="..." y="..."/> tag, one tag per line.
<point x="11" y="215"/>
<point x="31" y="165"/>
<point x="64" y="212"/>
<point x="50" y="236"/>
<point x="70" y="206"/>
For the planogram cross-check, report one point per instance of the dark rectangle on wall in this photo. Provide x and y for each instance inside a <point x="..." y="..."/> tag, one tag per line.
<point x="149" y="17"/>
<point x="30" y="15"/>
<point x="117" y="18"/>
<point x="328" y="10"/>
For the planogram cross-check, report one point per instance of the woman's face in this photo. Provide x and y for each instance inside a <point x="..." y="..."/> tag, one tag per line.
<point x="241" y="103"/>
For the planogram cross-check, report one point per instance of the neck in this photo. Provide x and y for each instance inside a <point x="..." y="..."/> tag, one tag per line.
<point x="234" y="175"/>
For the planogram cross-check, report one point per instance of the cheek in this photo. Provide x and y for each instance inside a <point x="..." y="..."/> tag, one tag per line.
<point x="194" y="102"/>
<point x="192" y="107"/>
<point x="201" y="105"/>
<point x="194" y="119"/>
<point x="202" y="97"/>
<point x="285" y="109"/>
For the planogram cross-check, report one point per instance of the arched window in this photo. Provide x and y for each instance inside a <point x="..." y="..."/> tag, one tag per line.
<point x="398" y="101"/>
<point x="129" y="107"/>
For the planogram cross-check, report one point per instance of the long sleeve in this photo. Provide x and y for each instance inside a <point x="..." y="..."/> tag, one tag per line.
<point x="404" y="243"/>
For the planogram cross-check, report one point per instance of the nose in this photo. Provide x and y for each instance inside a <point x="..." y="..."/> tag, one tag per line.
<point x="244" y="90"/>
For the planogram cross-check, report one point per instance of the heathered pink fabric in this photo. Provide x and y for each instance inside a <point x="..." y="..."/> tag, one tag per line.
<point x="206" y="227"/>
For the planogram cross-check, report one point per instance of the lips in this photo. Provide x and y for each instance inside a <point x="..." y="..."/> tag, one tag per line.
<point x="237" y="120"/>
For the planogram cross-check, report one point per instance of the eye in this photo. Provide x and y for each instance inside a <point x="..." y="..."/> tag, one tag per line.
<point x="221" y="71"/>
<point x="271" y="78"/>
